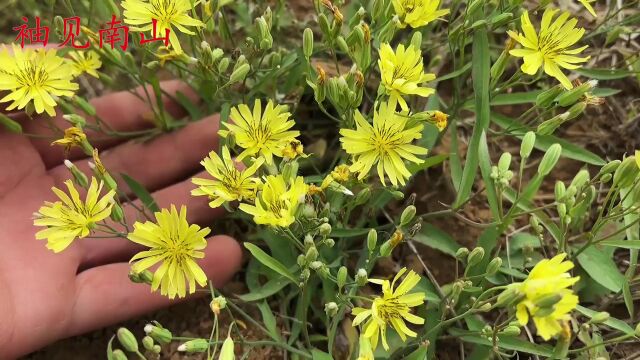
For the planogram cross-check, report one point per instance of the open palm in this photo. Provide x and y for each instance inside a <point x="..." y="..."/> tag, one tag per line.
<point x="45" y="296"/>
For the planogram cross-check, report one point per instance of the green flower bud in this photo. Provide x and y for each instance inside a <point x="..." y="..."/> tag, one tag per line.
<point x="218" y="303"/>
<point x="329" y="242"/>
<point x="316" y="265"/>
<point x="637" y="330"/>
<point x="485" y="307"/>
<point x="117" y="214"/>
<point x="500" y="19"/>
<point x="494" y="266"/>
<point x="416" y="40"/>
<point x="216" y="54"/>
<point x="508" y="297"/>
<point x="610" y="167"/>
<point x="528" y="142"/>
<point x="548" y="300"/>
<point x="474" y="6"/>
<point x="362" y="197"/>
<point x="331" y="309"/>
<point x="546" y="98"/>
<point x="570" y="97"/>
<point x="550" y="159"/>
<point x="10" y="124"/>
<point x="239" y="74"/>
<point x="324" y="229"/>
<point x="606" y="178"/>
<point x="504" y="162"/>
<point x="562" y="209"/>
<point x="576" y="110"/>
<point x="78" y="176"/>
<point x="362" y="277"/>
<point x="407" y="215"/>
<point x="194" y="346"/>
<point x="156" y="349"/>
<point x="626" y="173"/>
<point x="462" y="253"/>
<point x="147" y="343"/>
<point x="560" y="190"/>
<point x="307" y="42"/>
<point x="372" y="240"/>
<point x="127" y="340"/>
<point x="223" y="65"/>
<point x="342" y="45"/>
<point x="342" y="277"/>
<point x="227" y="352"/>
<point x="118" y="355"/>
<point x="510" y="330"/>
<point x="398" y="195"/>
<point x="600" y="317"/>
<point x="308" y="241"/>
<point x="84" y="106"/>
<point x="301" y="260"/>
<point x="475" y="256"/>
<point x="304" y="276"/>
<point x="581" y="178"/>
<point x="312" y="254"/>
<point x="158" y="333"/>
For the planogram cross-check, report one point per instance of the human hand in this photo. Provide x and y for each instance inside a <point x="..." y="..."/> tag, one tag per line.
<point x="45" y="296"/>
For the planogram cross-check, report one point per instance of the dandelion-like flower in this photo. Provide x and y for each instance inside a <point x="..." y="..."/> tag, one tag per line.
<point x="85" y="62"/>
<point x="402" y="73"/>
<point x="176" y="244"/>
<point x="229" y="183"/>
<point x="547" y="296"/>
<point x="393" y="308"/>
<point x="385" y="143"/>
<point x="550" y="48"/>
<point x="73" y="136"/>
<point x="71" y="217"/>
<point x="278" y="202"/>
<point x="37" y="76"/>
<point x="169" y="14"/>
<point x="265" y="133"/>
<point x="417" y="13"/>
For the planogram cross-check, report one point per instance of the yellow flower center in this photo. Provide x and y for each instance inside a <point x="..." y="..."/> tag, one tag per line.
<point x="164" y="11"/>
<point x="548" y="44"/>
<point x="385" y="139"/>
<point x="233" y="182"/>
<point x="410" y="5"/>
<point x="278" y="207"/>
<point x="32" y="76"/>
<point x="390" y="308"/>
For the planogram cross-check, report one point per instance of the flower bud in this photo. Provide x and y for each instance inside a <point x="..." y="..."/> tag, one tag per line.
<point x="307" y="42"/>
<point x="84" y="106"/>
<point x="548" y="300"/>
<point x="626" y="173"/>
<point x="227" y="352"/>
<point x="504" y="162"/>
<point x="316" y="265"/>
<point x="117" y="354"/>
<point x="546" y="98"/>
<point x="528" y="142"/>
<point x="508" y="297"/>
<point x="462" y="253"/>
<point x="372" y="240"/>
<point x="475" y="256"/>
<point x="156" y="349"/>
<point x="312" y="254"/>
<point x="600" y="317"/>
<point x="194" y="346"/>
<point x="147" y="343"/>
<point x="610" y="167"/>
<point x="388" y="246"/>
<point x="559" y="190"/>
<point x="117" y="214"/>
<point x="570" y="97"/>
<point x="239" y="74"/>
<point x="485" y="307"/>
<point x="550" y="159"/>
<point x="127" y="340"/>
<point x="510" y="330"/>
<point x="494" y="266"/>
<point x="361" y="277"/>
<point x="331" y="309"/>
<point x="158" y="333"/>
<point x="342" y="277"/>
<point x="324" y="229"/>
<point x="223" y="65"/>
<point x="606" y="178"/>
<point x="342" y="45"/>
<point x="416" y="40"/>
<point x="576" y="110"/>
<point x="78" y="176"/>
<point x="407" y="215"/>
<point x="304" y="276"/>
<point x="218" y="303"/>
<point x="398" y="195"/>
<point x="362" y="197"/>
<point x="329" y="242"/>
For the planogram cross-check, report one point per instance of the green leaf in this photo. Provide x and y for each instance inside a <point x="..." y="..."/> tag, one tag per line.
<point x="506" y="342"/>
<point x="269" y="261"/>
<point x="141" y="193"/>
<point x="529" y="97"/>
<point x="601" y="268"/>
<point x="10" y="124"/>
<point x="455" y="163"/>
<point x="185" y="102"/>
<point x="320" y="355"/>
<point x="611" y="322"/>
<point x="110" y="348"/>
<point x="543" y="142"/>
<point x="485" y="170"/>
<point x="604" y="74"/>
<point x="455" y="74"/>
<point x="628" y="297"/>
<point x="419" y="354"/>
<point x="437" y="239"/>
<point x="480" y="74"/>
<point x="269" y="321"/>
<point x="625" y="244"/>
<point x="269" y="288"/>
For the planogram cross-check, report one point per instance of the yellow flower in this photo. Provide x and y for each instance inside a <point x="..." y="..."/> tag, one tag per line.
<point x="587" y="5"/>
<point x="35" y="75"/>
<point x="73" y="136"/>
<point x="550" y="48"/>
<point x="85" y="62"/>
<point x="71" y="217"/>
<point x="229" y="183"/>
<point x="170" y="14"/>
<point x="417" y="13"/>
<point x="402" y="73"/>
<point x="386" y="144"/>
<point x="440" y="120"/>
<point x="277" y="203"/>
<point x="293" y="149"/>
<point x="547" y="296"/>
<point x="391" y="309"/>
<point x="176" y="244"/>
<point x="365" y="351"/>
<point x="259" y="132"/>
